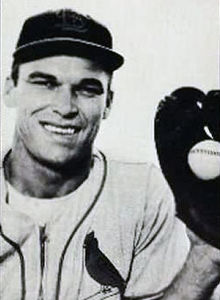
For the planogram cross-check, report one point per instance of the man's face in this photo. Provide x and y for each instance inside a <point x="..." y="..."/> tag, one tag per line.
<point x="61" y="101"/>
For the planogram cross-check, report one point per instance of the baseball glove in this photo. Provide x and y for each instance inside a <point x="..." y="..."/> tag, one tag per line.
<point x="179" y="124"/>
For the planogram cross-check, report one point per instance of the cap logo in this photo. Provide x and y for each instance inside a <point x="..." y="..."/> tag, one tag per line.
<point x="68" y="20"/>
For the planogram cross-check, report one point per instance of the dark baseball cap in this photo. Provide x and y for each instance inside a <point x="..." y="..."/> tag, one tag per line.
<point x="66" y="32"/>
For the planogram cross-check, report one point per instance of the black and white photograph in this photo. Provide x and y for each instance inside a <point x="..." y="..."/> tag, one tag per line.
<point x="110" y="150"/>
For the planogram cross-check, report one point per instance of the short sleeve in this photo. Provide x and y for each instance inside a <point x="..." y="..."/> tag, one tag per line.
<point x="162" y="246"/>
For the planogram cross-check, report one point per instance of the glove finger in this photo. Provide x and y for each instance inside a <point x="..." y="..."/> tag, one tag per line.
<point x="211" y="108"/>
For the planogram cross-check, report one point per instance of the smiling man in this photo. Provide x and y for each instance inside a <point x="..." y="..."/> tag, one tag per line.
<point x="75" y="224"/>
<point x="61" y="101"/>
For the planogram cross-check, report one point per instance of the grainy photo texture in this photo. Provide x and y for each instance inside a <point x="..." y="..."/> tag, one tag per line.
<point x="110" y="150"/>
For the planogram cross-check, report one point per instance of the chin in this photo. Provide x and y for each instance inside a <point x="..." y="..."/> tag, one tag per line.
<point x="59" y="158"/>
<point x="53" y="162"/>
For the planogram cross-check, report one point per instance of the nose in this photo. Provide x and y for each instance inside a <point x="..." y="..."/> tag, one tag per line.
<point x="66" y="105"/>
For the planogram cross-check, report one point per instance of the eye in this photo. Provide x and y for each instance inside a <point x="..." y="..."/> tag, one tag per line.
<point x="51" y="85"/>
<point x="89" y="91"/>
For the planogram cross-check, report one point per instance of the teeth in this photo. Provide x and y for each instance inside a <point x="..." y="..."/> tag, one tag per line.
<point x="59" y="130"/>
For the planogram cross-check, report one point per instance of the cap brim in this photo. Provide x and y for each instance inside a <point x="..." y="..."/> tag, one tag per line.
<point x="105" y="57"/>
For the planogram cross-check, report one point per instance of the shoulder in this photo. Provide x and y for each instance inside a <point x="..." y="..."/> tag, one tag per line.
<point x="136" y="174"/>
<point x="130" y="166"/>
<point x="139" y="184"/>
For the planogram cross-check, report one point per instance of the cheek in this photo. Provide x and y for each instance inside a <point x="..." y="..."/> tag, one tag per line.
<point x="22" y="122"/>
<point x="32" y="99"/>
<point x="26" y="121"/>
<point x="93" y="111"/>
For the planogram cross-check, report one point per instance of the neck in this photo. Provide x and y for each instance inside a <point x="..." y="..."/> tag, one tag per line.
<point x="41" y="180"/>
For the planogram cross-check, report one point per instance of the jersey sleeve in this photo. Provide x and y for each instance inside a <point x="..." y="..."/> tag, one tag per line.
<point x="162" y="245"/>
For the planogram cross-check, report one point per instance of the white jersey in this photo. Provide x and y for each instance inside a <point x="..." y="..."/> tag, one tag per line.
<point x="129" y="209"/>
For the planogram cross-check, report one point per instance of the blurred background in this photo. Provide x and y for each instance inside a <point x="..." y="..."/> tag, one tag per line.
<point x="166" y="44"/>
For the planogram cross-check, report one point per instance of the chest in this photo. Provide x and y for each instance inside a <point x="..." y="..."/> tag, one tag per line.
<point x="56" y="258"/>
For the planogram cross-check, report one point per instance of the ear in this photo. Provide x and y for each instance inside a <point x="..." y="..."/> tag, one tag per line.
<point x="109" y="101"/>
<point x="9" y="99"/>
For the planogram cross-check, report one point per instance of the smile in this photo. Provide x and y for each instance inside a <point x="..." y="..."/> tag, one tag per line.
<point x="60" y="130"/>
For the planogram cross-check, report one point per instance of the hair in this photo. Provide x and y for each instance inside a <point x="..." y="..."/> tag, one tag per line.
<point x="15" y="71"/>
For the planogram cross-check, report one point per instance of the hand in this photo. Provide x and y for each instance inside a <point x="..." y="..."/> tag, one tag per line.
<point x="210" y="253"/>
<point x="179" y="125"/>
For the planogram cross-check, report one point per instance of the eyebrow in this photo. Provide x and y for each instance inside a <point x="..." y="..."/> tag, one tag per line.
<point x="42" y="75"/>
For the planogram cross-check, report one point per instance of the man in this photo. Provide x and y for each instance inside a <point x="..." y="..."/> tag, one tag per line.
<point x="75" y="224"/>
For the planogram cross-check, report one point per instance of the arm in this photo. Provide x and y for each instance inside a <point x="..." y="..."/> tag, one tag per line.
<point x="199" y="276"/>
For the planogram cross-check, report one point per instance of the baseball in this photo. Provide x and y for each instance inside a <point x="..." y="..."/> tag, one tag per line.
<point x="204" y="159"/>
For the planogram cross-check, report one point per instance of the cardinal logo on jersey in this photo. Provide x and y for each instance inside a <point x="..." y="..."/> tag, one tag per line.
<point x="100" y="268"/>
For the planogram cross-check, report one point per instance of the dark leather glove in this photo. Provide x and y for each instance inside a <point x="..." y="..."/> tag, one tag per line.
<point x="179" y="125"/>
<point x="211" y="108"/>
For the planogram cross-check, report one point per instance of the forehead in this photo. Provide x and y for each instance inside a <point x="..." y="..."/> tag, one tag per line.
<point x="63" y="67"/>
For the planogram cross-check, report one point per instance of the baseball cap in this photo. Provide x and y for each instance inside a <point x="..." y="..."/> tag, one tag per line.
<point x="66" y="32"/>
